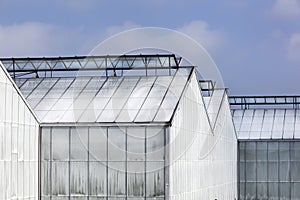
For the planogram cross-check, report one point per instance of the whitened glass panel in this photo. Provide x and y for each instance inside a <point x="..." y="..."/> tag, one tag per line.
<point x="155" y="179"/>
<point x="116" y="144"/>
<point x="79" y="178"/>
<point x="60" y="178"/>
<point x="79" y="144"/>
<point x="98" y="144"/>
<point x="136" y="144"/>
<point x="155" y="144"/>
<point x="46" y="139"/>
<point x="136" y="179"/>
<point x="116" y="179"/>
<point x="97" y="178"/>
<point x="60" y="143"/>
<point x="46" y="178"/>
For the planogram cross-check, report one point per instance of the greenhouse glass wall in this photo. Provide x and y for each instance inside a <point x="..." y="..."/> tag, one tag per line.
<point x="140" y="127"/>
<point x="269" y="148"/>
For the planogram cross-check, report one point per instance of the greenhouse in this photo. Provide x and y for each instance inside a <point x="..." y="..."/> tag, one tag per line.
<point x="140" y="127"/>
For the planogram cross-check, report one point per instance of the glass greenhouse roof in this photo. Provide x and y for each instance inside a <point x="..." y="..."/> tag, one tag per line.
<point x="267" y="123"/>
<point x="105" y="99"/>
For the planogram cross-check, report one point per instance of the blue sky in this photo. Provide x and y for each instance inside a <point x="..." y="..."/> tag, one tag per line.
<point x="255" y="44"/>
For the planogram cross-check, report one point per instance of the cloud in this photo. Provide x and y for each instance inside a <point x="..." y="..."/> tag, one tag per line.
<point x="286" y="9"/>
<point x="202" y="33"/>
<point x="127" y="25"/>
<point x="39" y="39"/>
<point x="293" y="47"/>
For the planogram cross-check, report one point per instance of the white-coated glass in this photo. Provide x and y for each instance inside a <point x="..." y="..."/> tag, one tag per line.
<point x="60" y="178"/>
<point x="155" y="144"/>
<point x="98" y="144"/>
<point x="79" y="178"/>
<point x="136" y="144"/>
<point x="79" y="144"/>
<point x="136" y="179"/>
<point x="155" y="179"/>
<point x="60" y="144"/>
<point x="116" y="179"/>
<point x="97" y="179"/>
<point x="116" y="144"/>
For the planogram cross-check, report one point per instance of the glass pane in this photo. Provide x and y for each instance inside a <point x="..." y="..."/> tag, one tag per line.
<point x="116" y="178"/>
<point x="273" y="151"/>
<point x="116" y="144"/>
<point x="60" y="178"/>
<point x="262" y="171"/>
<point x="262" y="153"/>
<point x="273" y="171"/>
<point x="250" y="191"/>
<point x="262" y="191"/>
<point x="250" y="151"/>
<point x="285" y="189"/>
<point x="98" y="144"/>
<point x="136" y="179"/>
<point x="60" y="143"/>
<point x="136" y="144"/>
<point x="273" y="190"/>
<point x="79" y="178"/>
<point x="284" y="171"/>
<point x="242" y="191"/>
<point x="46" y="178"/>
<point x="79" y="144"/>
<point x="97" y="178"/>
<point x="295" y="191"/>
<point x="284" y="153"/>
<point x="155" y="143"/>
<point x="242" y="171"/>
<point x="295" y="151"/>
<point x="155" y="179"/>
<point x="295" y="169"/>
<point x="250" y="171"/>
<point x="45" y="143"/>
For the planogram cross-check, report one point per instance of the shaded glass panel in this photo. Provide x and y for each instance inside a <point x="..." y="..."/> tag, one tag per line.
<point x="262" y="191"/>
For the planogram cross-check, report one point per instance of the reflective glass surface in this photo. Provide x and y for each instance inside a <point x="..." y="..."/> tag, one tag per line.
<point x="269" y="169"/>
<point x="103" y="162"/>
<point x="105" y="99"/>
<point x="267" y="123"/>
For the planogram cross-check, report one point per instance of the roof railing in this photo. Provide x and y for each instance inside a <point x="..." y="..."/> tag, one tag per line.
<point x="18" y="67"/>
<point x="248" y="102"/>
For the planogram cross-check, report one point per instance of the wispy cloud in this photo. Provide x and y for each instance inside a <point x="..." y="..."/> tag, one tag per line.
<point x="293" y="47"/>
<point x="201" y="32"/>
<point x="40" y="39"/>
<point x="286" y="9"/>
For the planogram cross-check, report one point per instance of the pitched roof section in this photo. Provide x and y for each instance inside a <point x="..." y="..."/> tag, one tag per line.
<point x="105" y="99"/>
<point x="267" y="123"/>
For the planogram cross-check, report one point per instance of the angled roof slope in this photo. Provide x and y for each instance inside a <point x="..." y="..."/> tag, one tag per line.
<point x="105" y="99"/>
